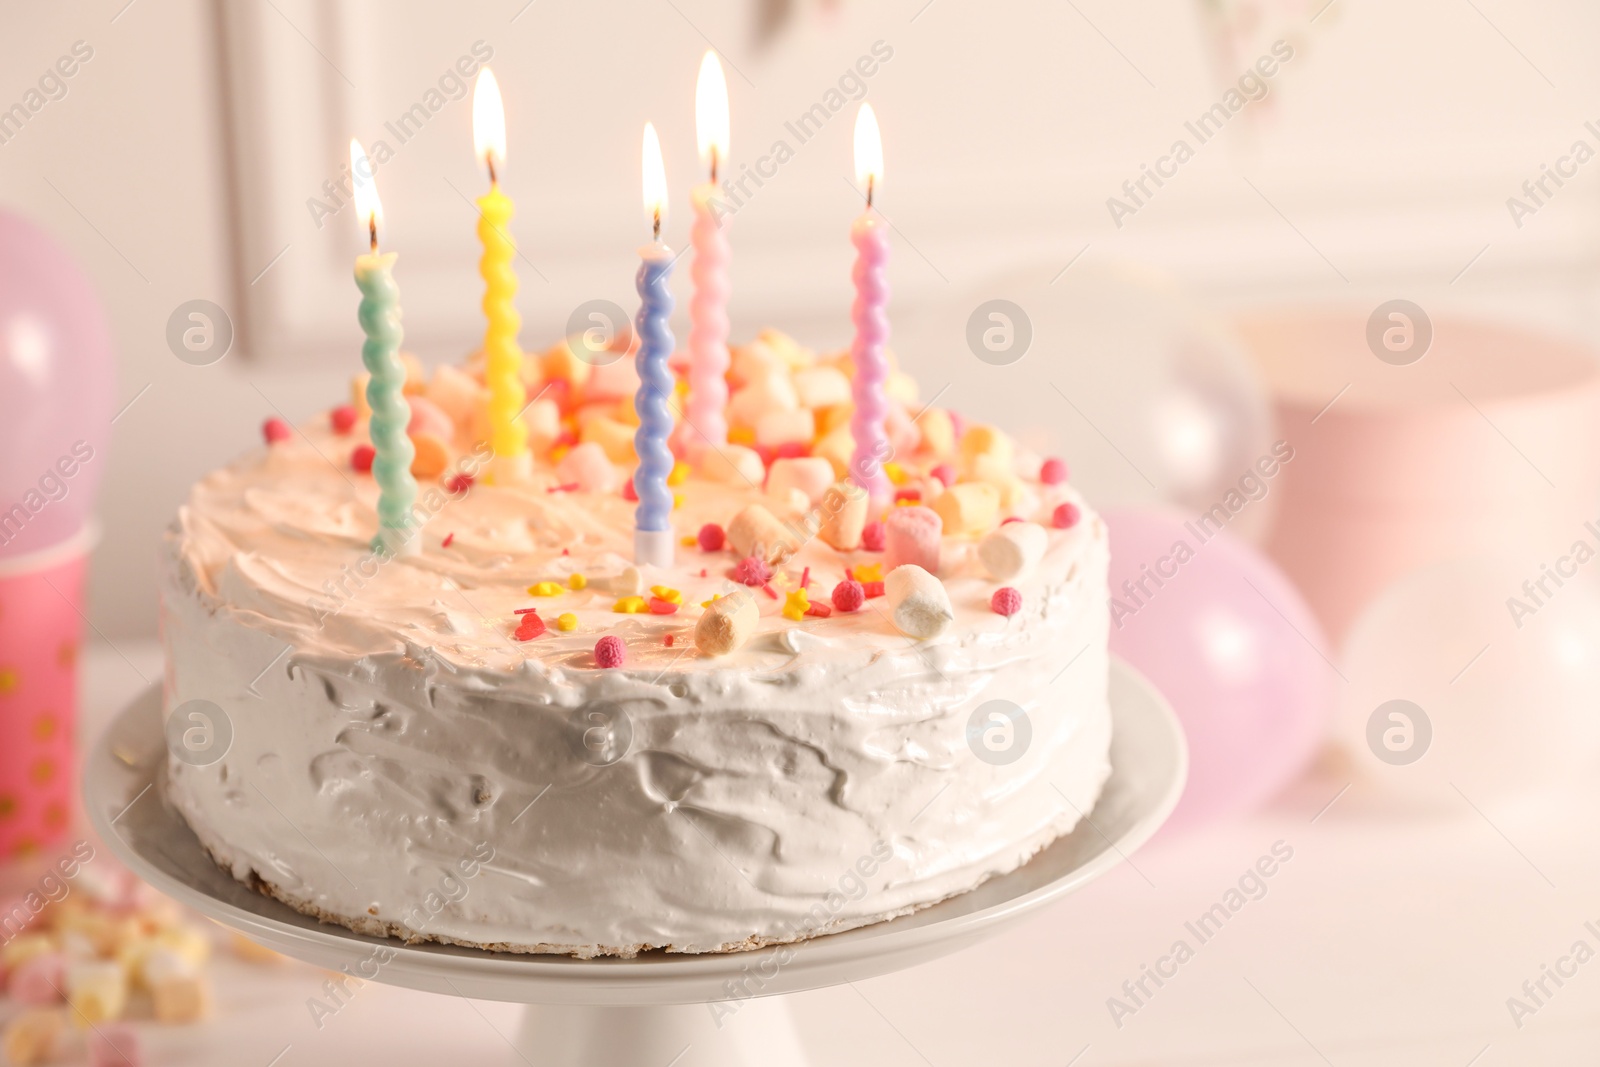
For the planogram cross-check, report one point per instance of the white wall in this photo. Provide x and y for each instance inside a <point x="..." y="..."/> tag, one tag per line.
<point x="1392" y="141"/>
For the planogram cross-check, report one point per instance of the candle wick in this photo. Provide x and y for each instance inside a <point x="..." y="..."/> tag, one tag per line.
<point x="871" y="178"/>
<point x="372" y="230"/>
<point x="656" y="224"/>
<point x="713" y="165"/>
<point x="488" y="157"/>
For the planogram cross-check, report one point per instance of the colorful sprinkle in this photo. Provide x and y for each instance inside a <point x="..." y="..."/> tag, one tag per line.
<point x="819" y="610"/>
<point x="566" y="621"/>
<point x="459" y="483"/>
<point x="630" y="605"/>
<point x="577" y="581"/>
<point x="565" y="487"/>
<point x="1006" y="601"/>
<point x="848" y="595"/>
<point x="342" y="419"/>
<point x="795" y="605"/>
<point x="659" y="606"/>
<point x="669" y="640"/>
<point x="895" y="473"/>
<point x="609" y="651"/>
<point x="771" y="592"/>
<point x="530" y="627"/>
<point x="667" y="593"/>
<point x="361" y="458"/>
<point x="909" y="495"/>
<point x="1053" y="471"/>
<point x="545" y="589"/>
<point x="687" y="541"/>
<point x="1066" y="516"/>
<point x="679" y="475"/>
<point x="712" y="537"/>
<point x="805" y="578"/>
<point x="449" y="539"/>
<point x="872" y="537"/>
<point x="868" y="572"/>
<point x="945" y="474"/>
<point x="629" y="493"/>
<point x="872" y="589"/>
<point x="275" y="430"/>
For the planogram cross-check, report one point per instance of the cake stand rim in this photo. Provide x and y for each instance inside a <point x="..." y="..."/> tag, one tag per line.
<point x="656" y="978"/>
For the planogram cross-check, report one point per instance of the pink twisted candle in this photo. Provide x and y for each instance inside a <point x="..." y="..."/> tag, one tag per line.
<point x="871" y="237"/>
<point x="708" y="327"/>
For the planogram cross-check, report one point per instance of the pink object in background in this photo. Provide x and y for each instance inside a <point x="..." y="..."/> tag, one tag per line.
<point x="1489" y="437"/>
<point x="40" y="629"/>
<point x="1225" y="636"/>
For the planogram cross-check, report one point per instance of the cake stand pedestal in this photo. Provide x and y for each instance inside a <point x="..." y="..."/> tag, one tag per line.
<point x="658" y="1010"/>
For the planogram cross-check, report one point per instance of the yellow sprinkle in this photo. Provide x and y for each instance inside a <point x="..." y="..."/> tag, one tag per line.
<point x="897" y="474"/>
<point x="677" y="500"/>
<point x="566" y="621"/>
<point x="630" y="605"/>
<point x="680" y="473"/>
<point x="795" y="605"/>
<point x="714" y="598"/>
<point x="667" y="593"/>
<point x="545" y="589"/>
<point x="558" y="453"/>
<point x="741" y="435"/>
<point x="688" y="542"/>
<point x="577" y="581"/>
<point x="869" y="572"/>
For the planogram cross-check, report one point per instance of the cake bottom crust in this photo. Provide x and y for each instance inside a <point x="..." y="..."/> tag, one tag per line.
<point x="372" y="926"/>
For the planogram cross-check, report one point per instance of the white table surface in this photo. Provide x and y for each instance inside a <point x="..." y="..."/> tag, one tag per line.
<point x="1387" y="939"/>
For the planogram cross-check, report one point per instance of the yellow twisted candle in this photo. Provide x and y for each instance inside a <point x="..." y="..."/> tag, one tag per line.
<point x="502" y="354"/>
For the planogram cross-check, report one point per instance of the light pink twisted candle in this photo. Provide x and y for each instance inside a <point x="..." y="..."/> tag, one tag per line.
<point x="708" y="327"/>
<point x="871" y="237"/>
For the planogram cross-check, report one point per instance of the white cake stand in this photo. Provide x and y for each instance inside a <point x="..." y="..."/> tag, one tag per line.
<point x="657" y="1009"/>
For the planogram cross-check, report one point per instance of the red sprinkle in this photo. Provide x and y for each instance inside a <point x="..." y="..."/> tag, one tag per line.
<point x="805" y="578"/>
<point x="669" y="640"/>
<point x="275" y="430"/>
<point x="1066" y="516"/>
<point x="448" y="538"/>
<point x="1053" y="471"/>
<point x="1006" y="601"/>
<point x="909" y="493"/>
<point x="872" y="537"/>
<point x="711" y="537"/>
<point x="530" y="627"/>
<point x="342" y="419"/>
<point x="945" y="473"/>
<point x="361" y="458"/>
<point x="662" y="607"/>
<point x="458" y="483"/>
<point x="569" y="487"/>
<point x="566" y="438"/>
<point x="792" y="450"/>
<point x="702" y="572"/>
<point x="629" y="492"/>
<point x="525" y="611"/>
<point x="559" y="390"/>
<point x="1010" y="518"/>
<point x="849" y="595"/>
<point x="609" y="651"/>
<point x="771" y="592"/>
<point x="566" y="551"/>
<point x="872" y="589"/>
<point x="819" y="609"/>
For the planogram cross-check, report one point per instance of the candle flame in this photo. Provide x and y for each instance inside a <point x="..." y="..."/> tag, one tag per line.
<point x="369" y="209"/>
<point x="655" y="177"/>
<point x="869" y="151"/>
<point x="488" y="121"/>
<point x="711" y="113"/>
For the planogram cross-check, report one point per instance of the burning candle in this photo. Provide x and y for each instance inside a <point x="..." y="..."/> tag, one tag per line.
<point x="391" y="414"/>
<point x="871" y="237"/>
<point x="708" y="309"/>
<point x="652" y="526"/>
<point x="502" y="355"/>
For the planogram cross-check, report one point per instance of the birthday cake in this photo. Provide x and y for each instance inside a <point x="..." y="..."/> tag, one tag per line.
<point x="825" y="710"/>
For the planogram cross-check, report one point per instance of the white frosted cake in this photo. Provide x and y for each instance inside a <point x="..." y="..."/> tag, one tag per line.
<point x="412" y="751"/>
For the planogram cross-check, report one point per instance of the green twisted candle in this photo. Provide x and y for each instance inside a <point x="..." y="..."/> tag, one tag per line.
<point x="391" y="414"/>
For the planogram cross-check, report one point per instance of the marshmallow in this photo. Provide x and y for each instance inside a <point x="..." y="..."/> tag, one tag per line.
<point x="32" y="1037"/>
<point x="918" y="603"/>
<point x="792" y="352"/>
<point x="559" y="361"/>
<point x="771" y="392"/>
<point x="904" y="437"/>
<point x="811" y="475"/>
<point x="837" y="446"/>
<point x="727" y="623"/>
<point x="968" y="508"/>
<point x="588" y="466"/>
<point x="844" y="515"/>
<point x="455" y="393"/>
<point x="755" y="531"/>
<point x="754" y="361"/>
<point x="832" y="417"/>
<point x="542" y="418"/>
<point x="615" y="380"/>
<point x="38" y="980"/>
<point x="911" y="536"/>
<point x="97" y="991"/>
<point x="181" y="998"/>
<point x="613" y="436"/>
<point x="114" y="1045"/>
<point x="428" y="417"/>
<point x="21" y="949"/>
<point x="358" y="395"/>
<point x="416" y="382"/>
<point x="1011" y="550"/>
<point x="732" y="464"/>
<point x="774" y="428"/>
<point x="902" y="387"/>
<point x="820" y="387"/>
<point x="989" y="442"/>
<point x="938" y="433"/>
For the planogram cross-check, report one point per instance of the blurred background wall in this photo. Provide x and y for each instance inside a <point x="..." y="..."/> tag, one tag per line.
<point x="179" y="162"/>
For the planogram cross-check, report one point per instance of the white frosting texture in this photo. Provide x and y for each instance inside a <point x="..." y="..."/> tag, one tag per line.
<point x="401" y="763"/>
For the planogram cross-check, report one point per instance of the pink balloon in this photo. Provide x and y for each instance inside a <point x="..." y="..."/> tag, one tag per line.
<point x="1228" y="639"/>
<point x="57" y="387"/>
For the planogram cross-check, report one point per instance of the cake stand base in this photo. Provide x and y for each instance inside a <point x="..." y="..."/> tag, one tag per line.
<point x="657" y="1010"/>
<point x="741" y="1034"/>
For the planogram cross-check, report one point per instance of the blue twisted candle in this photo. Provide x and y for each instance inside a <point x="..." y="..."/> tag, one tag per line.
<point x="653" y="518"/>
<point x="391" y="414"/>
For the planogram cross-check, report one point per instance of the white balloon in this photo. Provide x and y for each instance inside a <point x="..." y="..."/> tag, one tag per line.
<point x="1500" y="700"/>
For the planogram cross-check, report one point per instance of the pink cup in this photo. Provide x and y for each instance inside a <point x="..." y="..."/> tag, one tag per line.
<point x="41" y="595"/>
